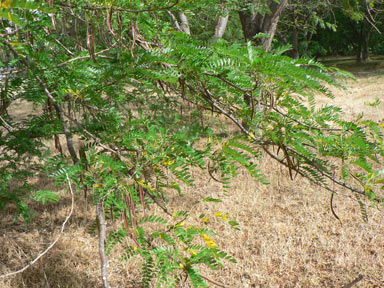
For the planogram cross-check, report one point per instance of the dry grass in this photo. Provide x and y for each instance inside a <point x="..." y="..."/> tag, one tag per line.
<point x="288" y="236"/>
<point x="368" y="87"/>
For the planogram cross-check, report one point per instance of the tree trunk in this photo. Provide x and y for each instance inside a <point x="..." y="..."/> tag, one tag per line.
<point x="102" y="239"/>
<point x="362" y="49"/>
<point x="184" y="24"/>
<point x="221" y="25"/>
<point x="359" y="45"/>
<point x="254" y="23"/>
<point x="295" y="43"/>
<point x="4" y="101"/>
<point x="176" y="24"/>
<point x="282" y="37"/>
<point x="306" y="42"/>
<point x="271" y="30"/>
<point x="365" y="40"/>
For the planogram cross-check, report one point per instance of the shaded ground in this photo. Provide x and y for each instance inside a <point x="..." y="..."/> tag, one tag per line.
<point x="288" y="236"/>
<point x="374" y="65"/>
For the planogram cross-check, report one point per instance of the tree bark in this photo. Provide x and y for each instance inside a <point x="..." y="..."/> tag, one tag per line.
<point x="365" y="40"/>
<point x="102" y="239"/>
<point x="306" y="42"/>
<point x="184" y="23"/>
<point x="295" y="43"/>
<point x="176" y="24"/>
<point x="183" y="26"/>
<point x="4" y="101"/>
<point x="254" y="23"/>
<point x="282" y="37"/>
<point x="221" y="25"/>
<point x="273" y="25"/>
<point x="359" y="45"/>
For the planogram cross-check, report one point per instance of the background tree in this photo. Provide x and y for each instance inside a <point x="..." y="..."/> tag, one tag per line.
<point x="261" y="17"/>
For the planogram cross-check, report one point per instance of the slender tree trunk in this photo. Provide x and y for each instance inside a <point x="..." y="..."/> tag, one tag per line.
<point x="295" y="43"/>
<point x="295" y="37"/>
<point x="282" y="37"/>
<point x="102" y="239"/>
<point x="176" y="24"/>
<point x="272" y="27"/>
<point x="184" y="23"/>
<point x="365" y="40"/>
<point x="221" y="25"/>
<point x="305" y="41"/>
<point x="4" y="101"/>
<point x="359" y="48"/>
<point x="183" y="26"/>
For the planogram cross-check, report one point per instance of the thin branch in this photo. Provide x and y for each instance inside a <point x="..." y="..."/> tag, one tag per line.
<point x="54" y="242"/>
<point x="228" y="82"/>
<point x="246" y="132"/>
<point x="372" y="20"/>
<point x="305" y="125"/>
<point x="325" y="174"/>
<point x="331" y="201"/>
<point x="175" y="21"/>
<point x="57" y="106"/>
<point x="65" y="48"/>
<point x="61" y="114"/>
<point x="211" y="174"/>
<point x="6" y="125"/>
<point x="298" y="171"/>
<point x="357" y="280"/>
<point x="10" y="33"/>
<point x="164" y="208"/>
<point x="12" y="72"/>
<point x="97" y="139"/>
<point x="214" y="282"/>
<point x="14" y="52"/>
<point x="372" y="24"/>
<point x="234" y="120"/>
<point x="83" y="57"/>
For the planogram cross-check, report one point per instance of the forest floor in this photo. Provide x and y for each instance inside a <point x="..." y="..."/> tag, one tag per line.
<point x="288" y="236"/>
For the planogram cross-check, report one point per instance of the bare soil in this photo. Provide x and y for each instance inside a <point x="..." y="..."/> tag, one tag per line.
<point x="288" y="236"/>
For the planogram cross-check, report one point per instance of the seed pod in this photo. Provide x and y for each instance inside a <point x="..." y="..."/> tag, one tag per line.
<point x="109" y="22"/>
<point x="53" y="16"/>
<point x="91" y="40"/>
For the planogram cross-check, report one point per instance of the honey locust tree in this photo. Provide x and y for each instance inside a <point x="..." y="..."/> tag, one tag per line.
<point x="128" y="102"/>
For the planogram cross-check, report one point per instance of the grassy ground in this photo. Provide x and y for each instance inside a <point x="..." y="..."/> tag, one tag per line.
<point x="288" y="236"/>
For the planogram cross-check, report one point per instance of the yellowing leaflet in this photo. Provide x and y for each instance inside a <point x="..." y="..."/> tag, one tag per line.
<point x="208" y="240"/>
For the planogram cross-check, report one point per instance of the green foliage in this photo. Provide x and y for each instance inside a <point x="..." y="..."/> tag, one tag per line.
<point x="45" y="196"/>
<point x="139" y="103"/>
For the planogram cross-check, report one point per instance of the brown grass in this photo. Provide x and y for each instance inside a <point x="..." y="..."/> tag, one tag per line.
<point x="288" y="236"/>
<point x="368" y="87"/>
